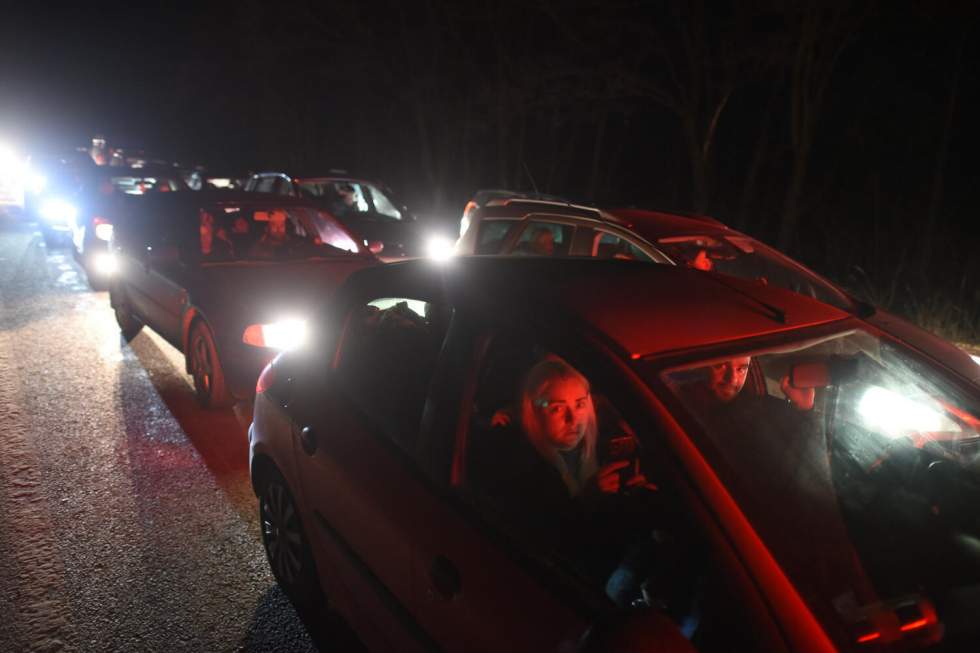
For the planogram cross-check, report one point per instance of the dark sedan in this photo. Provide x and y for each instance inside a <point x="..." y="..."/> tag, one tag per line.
<point x="227" y="278"/>
<point x="561" y="455"/>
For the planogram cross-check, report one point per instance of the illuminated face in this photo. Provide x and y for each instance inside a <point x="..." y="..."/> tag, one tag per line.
<point x="564" y="409"/>
<point x="728" y="377"/>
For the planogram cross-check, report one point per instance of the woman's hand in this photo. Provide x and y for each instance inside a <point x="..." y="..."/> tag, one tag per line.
<point x="609" y="478"/>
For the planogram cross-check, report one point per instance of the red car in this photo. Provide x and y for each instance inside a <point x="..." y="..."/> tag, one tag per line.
<point x="521" y="454"/>
<point x="517" y="225"/>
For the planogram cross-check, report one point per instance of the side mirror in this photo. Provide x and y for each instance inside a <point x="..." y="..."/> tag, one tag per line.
<point x="640" y="630"/>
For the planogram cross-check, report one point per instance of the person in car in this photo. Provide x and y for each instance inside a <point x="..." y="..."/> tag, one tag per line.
<point x="275" y="238"/>
<point x="240" y="235"/>
<point x="344" y="202"/>
<point x="542" y="243"/>
<point x="543" y="463"/>
<point x="214" y="243"/>
<point x="725" y="380"/>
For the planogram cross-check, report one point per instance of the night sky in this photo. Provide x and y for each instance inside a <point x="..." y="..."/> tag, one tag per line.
<point x="844" y="136"/>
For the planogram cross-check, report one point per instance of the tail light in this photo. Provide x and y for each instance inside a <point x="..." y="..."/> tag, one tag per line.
<point x="266" y="379"/>
<point x="103" y="228"/>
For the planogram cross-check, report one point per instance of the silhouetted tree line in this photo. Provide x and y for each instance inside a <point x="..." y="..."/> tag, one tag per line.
<point x="840" y="132"/>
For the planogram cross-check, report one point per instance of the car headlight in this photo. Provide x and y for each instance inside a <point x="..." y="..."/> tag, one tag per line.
<point x="439" y="248"/>
<point x="104" y="263"/>
<point x="283" y="335"/>
<point x="58" y="211"/>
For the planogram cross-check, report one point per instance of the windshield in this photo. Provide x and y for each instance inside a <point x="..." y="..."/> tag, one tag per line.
<point x="746" y="258"/>
<point x="232" y="233"/>
<point x="859" y="466"/>
<point x="352" y="199"/>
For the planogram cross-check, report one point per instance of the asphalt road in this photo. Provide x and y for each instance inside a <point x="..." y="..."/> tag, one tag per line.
<point x="127" y="522"/>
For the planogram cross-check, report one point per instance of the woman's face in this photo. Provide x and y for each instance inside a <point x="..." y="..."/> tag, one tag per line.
<point x="564" y="409"/>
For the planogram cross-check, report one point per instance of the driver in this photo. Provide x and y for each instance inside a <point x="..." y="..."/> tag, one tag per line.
<point x="275" y="238"/>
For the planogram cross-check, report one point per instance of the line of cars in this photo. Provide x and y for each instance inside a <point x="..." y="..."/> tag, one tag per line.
<point x="376" y="387"/>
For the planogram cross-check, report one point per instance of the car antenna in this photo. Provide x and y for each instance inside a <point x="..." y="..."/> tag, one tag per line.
<point x="531" y="177"/>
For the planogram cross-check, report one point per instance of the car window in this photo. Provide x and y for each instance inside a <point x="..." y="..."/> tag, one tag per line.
<point x="541" y="238"/>
<point x="387" y="359"/>
<point x="265" y="185"/>
<point x="540" y="432"/>
<point x="492" y="234"/>
<point x="383" y="205"/>
<point x="746" y="258"/>
<point x="609" y="245"/>
<point x="222" y="234"/>
<point x="881" y="449"/>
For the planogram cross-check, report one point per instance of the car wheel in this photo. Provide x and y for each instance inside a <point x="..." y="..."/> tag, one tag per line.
<point x="286" y="546"/>
<point x="129" y="326"/>
<point x="205" y="367"/>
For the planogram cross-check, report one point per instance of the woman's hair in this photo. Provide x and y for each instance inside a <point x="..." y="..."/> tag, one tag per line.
<point x="536" y="383"/>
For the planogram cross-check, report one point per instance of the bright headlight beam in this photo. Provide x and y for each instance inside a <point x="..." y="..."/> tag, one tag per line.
<point x="439" y="248"/>
<point x="105" y="263"/>
<point x="284" y="335"/>
<point x="976" y="359"/>
<point x="896" y="416"/>
<point x="58" y="211"/>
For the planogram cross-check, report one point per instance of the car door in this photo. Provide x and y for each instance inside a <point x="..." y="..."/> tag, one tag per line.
<point x="485" y="584"/>
<point x="164" y="275"/>
<point x="473" y="588"/>
<point x="365" y="491"/>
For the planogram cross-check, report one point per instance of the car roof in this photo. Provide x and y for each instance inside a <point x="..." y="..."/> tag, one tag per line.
<point x="637" y="308"/>
<point x="649" y="225"/>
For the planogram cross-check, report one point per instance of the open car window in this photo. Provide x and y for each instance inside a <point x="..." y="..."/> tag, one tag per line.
<point x="859" y="466"/>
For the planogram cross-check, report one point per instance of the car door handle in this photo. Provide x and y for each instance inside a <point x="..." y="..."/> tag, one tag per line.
<point x="444" y="578"/>
<point x="307" y="437"/>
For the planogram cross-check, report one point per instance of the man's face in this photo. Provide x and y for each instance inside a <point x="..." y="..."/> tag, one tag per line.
<point x="564" y="409"/>
<point x="728" y="377"/>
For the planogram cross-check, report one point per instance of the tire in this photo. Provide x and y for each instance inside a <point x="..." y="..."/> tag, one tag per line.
<point x="129" y="326"/>
<point x="287" y="548"/>
<point x="205" y="367"/>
